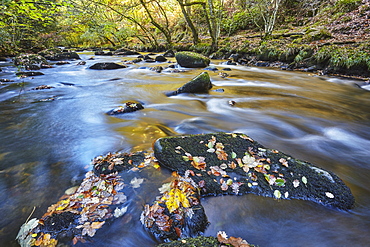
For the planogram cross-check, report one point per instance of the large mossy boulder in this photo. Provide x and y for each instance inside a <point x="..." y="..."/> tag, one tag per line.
<point x="199" y="84"/>
<point x="191" y="59"/>
<point x="107" y="66"/>
<point x="235" y="164"/>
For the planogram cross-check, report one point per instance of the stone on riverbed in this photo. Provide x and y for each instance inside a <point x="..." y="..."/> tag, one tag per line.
<point x="106" y="66"/>
<point x="199" y="84"/>
<point x="191" y="59"/>
<point x="235" y="164"/>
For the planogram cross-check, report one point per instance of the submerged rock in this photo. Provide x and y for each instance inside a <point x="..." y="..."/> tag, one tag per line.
<point x="236" y="164"/>
<point x="191" y="59"/>
<point x="102" y="66"/>
<point x="199" y="84"/>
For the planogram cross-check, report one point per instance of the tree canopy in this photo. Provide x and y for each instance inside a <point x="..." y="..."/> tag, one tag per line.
<point x="37" y="24"/>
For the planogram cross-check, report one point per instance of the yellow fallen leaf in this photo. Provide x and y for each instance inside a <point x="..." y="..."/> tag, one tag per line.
<point x="97" y="224"/>
<point x="63" y="204"/>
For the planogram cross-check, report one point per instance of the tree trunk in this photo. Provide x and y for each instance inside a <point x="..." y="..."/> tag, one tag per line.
<point x="190" y="23"/>
<point x="163" y="30"/>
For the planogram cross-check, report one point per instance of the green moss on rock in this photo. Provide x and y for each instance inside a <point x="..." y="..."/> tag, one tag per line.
<point x="191" y="59"/>
<point x="199" y="84"/>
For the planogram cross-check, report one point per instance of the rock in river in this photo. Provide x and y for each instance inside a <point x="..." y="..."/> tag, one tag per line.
<point x="101" y="66"/>
<point x="199" y="84"/>
<point x="191" y="59"/>
<point x="128" y="107"/>
<point x="236" y="164"/>
<point x="203" y="165"/>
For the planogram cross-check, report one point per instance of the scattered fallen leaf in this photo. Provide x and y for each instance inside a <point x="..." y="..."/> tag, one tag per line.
<point x="136" y="182"/>
<point x="328" y="194"/>
<point x="277" y="194"/>
<point x="295" y="183"/>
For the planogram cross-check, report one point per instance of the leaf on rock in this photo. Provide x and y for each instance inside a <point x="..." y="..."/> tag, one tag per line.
<point x="295" y="183"/>
<point x="277" y="194"/>
<point x="304" y="180"/>
<point x="328" y="194"/>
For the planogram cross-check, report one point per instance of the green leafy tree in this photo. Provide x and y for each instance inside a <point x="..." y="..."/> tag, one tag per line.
<point x="26" y="24"/>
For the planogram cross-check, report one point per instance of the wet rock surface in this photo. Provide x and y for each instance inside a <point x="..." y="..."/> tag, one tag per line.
<point x="203" y="165"/>
<point x="29" y="73"/>
<point x="126" y="108"/>
<point x="191" y="60"/>
<point x="106" y="66"/>
<point x="236" y="164"/>
<point x="199" y="84"/>
<point x="63" y="56"/>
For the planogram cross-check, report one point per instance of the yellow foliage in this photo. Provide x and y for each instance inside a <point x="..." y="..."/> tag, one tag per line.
<point x="63" y="204"/>
<point x="176" y="198"/>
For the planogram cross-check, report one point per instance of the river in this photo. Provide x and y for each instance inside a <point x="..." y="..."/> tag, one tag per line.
<point x="49" y="137"/>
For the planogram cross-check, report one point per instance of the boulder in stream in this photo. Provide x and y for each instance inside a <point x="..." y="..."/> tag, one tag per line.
<point x="222" y="163"/>
<point x="29" y="59"/>
<point x="126" y="108"/>
<point x="199" y="84"/>
<point x="63" y="56"/>
<point x="203" y="165"/>
<point x="29" y="73"/>
<point x="191" y="59"/>
<point x="105" y="66"/>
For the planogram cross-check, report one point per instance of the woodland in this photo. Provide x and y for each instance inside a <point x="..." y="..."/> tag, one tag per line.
<point x="334" y="32"/>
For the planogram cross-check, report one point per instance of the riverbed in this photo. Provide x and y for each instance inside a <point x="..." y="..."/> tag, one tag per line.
<point x="49" y="137"/>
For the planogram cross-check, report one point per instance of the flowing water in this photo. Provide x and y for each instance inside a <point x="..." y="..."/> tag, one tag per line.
<point x="49" y="137"/>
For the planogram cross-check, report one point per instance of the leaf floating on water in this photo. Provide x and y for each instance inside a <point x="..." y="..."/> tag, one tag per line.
<point x="118" y="212"/>
<point x="136" y="182"/>
<point x="328" y="194"/>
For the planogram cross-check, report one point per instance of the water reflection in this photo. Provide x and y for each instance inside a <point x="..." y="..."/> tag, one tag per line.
<point x="46" y="147"/>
